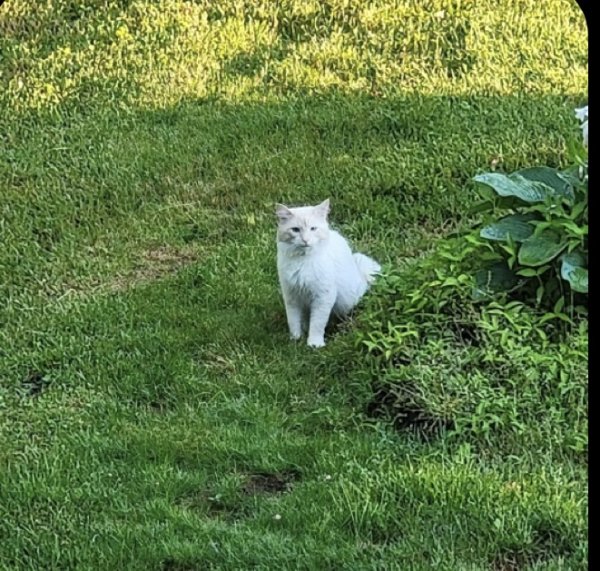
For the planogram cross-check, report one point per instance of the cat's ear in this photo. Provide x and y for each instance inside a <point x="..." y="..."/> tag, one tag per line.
<point x="323" y="208"/>
<point x="283" y="212"/>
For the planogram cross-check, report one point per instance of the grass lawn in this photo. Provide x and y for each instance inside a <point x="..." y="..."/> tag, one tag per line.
<point x="153" y="413"/>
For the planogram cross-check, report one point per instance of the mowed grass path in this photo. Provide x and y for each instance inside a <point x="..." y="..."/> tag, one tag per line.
<point x="153" y="414"/>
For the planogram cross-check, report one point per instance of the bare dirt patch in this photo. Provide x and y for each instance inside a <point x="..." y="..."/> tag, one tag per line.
<point x="154" y="264"/>
<point x="270" y="483"/>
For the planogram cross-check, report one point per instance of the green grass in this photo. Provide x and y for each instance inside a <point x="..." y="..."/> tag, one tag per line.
<point x="153" y="414"/>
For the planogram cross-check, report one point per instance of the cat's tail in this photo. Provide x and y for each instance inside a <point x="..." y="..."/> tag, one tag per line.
<point x="368" y="267"/>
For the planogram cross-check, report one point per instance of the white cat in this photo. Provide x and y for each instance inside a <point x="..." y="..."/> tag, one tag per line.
<point x="318" y="272"/>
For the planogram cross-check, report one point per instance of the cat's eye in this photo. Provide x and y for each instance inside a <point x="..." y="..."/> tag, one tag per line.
<point x="313" y="228"/>
<point x="295" y="229"/>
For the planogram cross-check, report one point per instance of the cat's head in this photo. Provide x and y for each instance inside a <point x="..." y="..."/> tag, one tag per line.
<point x="304" y="227"/>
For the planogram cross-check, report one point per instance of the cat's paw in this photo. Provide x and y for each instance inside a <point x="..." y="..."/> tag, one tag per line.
<point x="295" y="336"/>
<point x="316" y="342"/>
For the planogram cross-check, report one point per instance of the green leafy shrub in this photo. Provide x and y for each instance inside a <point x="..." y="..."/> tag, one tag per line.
<point x="451" y="343"/>
<point x="434" y="359"/>
<point x="535" y="231"/>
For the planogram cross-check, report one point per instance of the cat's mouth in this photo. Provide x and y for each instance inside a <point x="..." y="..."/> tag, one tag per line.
<point x="303" y="249"/>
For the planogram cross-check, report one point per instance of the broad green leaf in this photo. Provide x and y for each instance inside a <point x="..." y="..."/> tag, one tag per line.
<point x="539" y="250"/>
<point x="550" y="177"/>
<point x="515" y="226"/>
<point x="516" y="185"/>
<point x="573" y="271"/>
<point x="493" y="279"/>
<point x="570" y="176"/>
<point x="574" y="259"/>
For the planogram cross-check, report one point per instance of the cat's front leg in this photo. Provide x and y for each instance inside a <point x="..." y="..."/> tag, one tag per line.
<point x="320" y="310"/>
<point x="294" y="314"/>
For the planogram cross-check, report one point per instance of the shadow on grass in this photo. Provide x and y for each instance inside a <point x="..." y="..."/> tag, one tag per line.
<point x="206" y="172"/>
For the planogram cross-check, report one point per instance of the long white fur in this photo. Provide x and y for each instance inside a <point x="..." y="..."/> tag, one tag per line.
<point x="318" y="273"/>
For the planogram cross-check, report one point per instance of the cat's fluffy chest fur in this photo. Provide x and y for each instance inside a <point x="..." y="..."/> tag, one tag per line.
<point x="329" y="267"/>
<point x="318" y="273"/>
